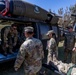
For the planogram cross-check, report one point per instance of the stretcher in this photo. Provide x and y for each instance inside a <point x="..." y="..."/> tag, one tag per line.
<point x="55" y="69"/>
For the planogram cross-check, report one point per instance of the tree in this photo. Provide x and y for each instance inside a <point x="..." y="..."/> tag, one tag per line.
<point x="67" y="19"/>
<point x="60" y="11"/>
<point x="72" y="9"/>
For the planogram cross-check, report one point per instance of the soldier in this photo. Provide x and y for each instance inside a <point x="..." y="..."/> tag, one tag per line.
<point x="69" y="43"/>
<point x="31" y="53"/>
<point x="9" y="39"/>
<point x="52" y="47"/>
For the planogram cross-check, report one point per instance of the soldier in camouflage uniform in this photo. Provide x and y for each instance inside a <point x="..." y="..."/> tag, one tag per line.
<point x="9" y="39"/>
<point x="52" y="47"/>
<point x="69" y="43"/>
<point x="31" y="53"/>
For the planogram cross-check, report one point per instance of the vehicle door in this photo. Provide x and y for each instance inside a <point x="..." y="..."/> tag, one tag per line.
<point x="44" y="28"/>
<point x="56" y="30"/>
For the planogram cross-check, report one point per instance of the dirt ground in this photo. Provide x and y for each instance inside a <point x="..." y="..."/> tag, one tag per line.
<point x="7" y="68"/>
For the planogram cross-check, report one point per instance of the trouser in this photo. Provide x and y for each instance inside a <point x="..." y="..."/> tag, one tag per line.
<point x="73" y="57"/>
<point x="9" y="48"/>
<point x="67" y="55"/>
<point x="52" y="55"/>
<point x="33" y="70"/>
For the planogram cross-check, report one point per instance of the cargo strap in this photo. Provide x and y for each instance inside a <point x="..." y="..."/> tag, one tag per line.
<point x="4" y="11"/>
<point x="70" y="70"/>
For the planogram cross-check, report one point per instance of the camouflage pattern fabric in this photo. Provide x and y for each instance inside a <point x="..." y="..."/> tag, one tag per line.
<point x="69" y="44"/>
<point x="69" y="40"/>
<point x="63" y="67"/>
<point x="10" y="38"/>
<point x="31" y="53"/>
<point x="52" y="50"/>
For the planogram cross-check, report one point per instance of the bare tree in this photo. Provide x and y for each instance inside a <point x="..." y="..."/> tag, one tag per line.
<point x="67" y="19"/>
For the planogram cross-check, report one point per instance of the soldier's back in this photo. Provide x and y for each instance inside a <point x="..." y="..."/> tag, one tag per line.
<point x="33" y="49"/>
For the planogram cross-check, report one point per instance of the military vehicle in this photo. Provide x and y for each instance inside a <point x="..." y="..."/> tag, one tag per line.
<point x="26" y="14"/>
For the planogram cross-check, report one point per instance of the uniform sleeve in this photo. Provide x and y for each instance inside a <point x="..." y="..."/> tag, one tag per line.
<point x="20" y="57"/>
<point x="41" y="50"/>
<point x="5" y="35"/>
<point x="16" y="38"/>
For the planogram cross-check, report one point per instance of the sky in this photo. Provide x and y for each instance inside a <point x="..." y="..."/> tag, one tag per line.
<point x="54" y="5"/>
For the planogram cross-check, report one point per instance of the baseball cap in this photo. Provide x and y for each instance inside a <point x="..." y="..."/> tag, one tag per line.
<point x="29" y="29"/>
<point x="50" y="31"/>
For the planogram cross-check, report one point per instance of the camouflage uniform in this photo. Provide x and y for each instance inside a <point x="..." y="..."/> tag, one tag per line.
<point x="10" y="39"/>
<point x="69" y="43"/>
<point x="52" y="49"/>
<point x="31" y="53"/>
<point x="63" y="67"/>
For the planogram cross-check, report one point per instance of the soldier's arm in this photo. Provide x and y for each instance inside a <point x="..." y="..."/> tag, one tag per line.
<point x="20" y="57"/>
<point x="5" y="35"/>
<point x="74" y="49"/>
<point x="41" y="50"/>
<point x="75" y="40"/>
<point x="16" y="38"/>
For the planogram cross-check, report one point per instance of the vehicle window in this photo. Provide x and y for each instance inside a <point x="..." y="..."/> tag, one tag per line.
<point x="44" y="28"/>
<point x="55" y="30"/>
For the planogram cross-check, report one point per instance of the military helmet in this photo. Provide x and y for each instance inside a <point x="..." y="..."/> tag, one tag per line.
<point x="29" y="29"/>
